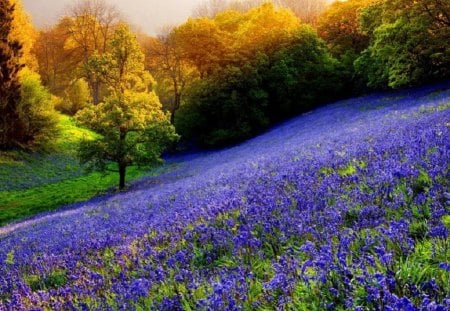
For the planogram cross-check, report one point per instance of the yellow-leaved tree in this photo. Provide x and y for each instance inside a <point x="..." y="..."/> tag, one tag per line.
<point x="24" y="32"/>
<point x="340" y="27"/>
<point x="266" y="28"/>
<point x="202" y="43"/>
<point x="91" y="26"/>
<point x="171" y="69"/>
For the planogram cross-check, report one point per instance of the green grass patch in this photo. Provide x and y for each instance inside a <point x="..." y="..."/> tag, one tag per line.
<point x="31" y="183"/>
<point x="422" y="265"/>
<point x="18" y="204"/>
<point x="349" y="170"/>
<point x="20" y="170"/>
<point x="54" y="279"/>
<point x="70" y="135"/>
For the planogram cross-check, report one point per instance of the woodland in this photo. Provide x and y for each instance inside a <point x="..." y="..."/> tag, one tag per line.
<point x="221" y="77"/>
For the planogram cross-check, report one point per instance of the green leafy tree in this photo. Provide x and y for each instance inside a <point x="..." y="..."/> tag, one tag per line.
<point x="133" y="126"/>
<point x="409" y="43"/>
<point x="226" y="107"/>
<point x="10" y="53"/>
<point x="340" y="27"/>
<point x="302" y="76"/>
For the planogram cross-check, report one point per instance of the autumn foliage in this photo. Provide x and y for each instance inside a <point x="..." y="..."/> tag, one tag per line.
<point x="236" y="67"/>
<point x="255" y="68"/>
<point x="27" y="117"/>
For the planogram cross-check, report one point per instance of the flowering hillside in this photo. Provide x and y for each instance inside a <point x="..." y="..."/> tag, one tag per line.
<point x="342" y="208"/>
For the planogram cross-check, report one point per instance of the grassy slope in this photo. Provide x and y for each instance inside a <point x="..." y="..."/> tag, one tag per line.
<point x="33" y="183"/>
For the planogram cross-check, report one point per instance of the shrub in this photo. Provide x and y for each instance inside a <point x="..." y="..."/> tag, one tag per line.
<point x="36" y="110"/>
<point x="76" y="97"/>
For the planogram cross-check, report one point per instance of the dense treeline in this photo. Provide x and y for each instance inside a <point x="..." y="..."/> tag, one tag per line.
<point x="243" y="65"/>
<point x="260" y="76"/>
<point x="409" y="42"/>
<point x="230" y="72"/>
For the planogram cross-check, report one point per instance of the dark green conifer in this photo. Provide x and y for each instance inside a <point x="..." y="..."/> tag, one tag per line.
<point x="10" y="51"/>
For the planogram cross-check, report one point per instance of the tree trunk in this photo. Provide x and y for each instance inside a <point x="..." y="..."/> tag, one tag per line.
<point x="172" y="117"/>
<point x="122" y="162"/>
<point x="122" y="173"/>
<point x="175" y="107"/>
<point x="95" y="92"/>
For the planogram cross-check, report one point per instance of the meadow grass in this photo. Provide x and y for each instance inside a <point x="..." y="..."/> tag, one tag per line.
<point x="19" y="204"/>
<point x="31" y="183"/>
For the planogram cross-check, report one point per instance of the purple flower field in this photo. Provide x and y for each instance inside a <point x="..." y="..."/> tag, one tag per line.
<point x="343" y="208"/>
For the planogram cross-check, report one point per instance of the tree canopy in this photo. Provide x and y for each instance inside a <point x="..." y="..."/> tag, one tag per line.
<point x="409" y="42"/>
<point x="269" y="67"/>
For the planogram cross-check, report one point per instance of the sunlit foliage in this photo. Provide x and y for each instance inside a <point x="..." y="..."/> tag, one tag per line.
<point x="58" y="62"/>
<point x="76" y="97"/>
<point x="91" y="25"/>
<point x="36" y="111"/>
<point x="134" y="129"/>
<point x="340" y="27"/>
<point x="260" y="66"/>
<point x="409" y="43"/>
<point x="306" y="10"/>
<point x="170" y="67"/>
<point x="24" y="32"/>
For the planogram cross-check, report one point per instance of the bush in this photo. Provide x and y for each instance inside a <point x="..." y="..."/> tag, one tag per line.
<point x="76" y="97"/>
<point x="36" y="110"/>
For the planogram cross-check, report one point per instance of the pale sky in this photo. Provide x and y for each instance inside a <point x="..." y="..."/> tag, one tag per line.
<point x="149" y="15"/>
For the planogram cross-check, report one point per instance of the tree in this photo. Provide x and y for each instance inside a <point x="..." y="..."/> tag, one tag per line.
<point x="265" y="29"/>
<point x="269" y="67"/>
<point x="27" y="117"/>
<point x="93" y="22"/>
<point x="202" y="43"/>
<point x="306" y="10"/>
<point x="340" y="27"/>
<point x="10" y="53"/>
<point x="36" y="111"/>
<point x="24" y="32"/>
<point x="240" y="100"/>
<point x="133" y="127"/>
<point x="58" y="62"/>
<point x="76" y="97"/>
<point x="409" y="43"/>
<point x="170" y="68"/>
